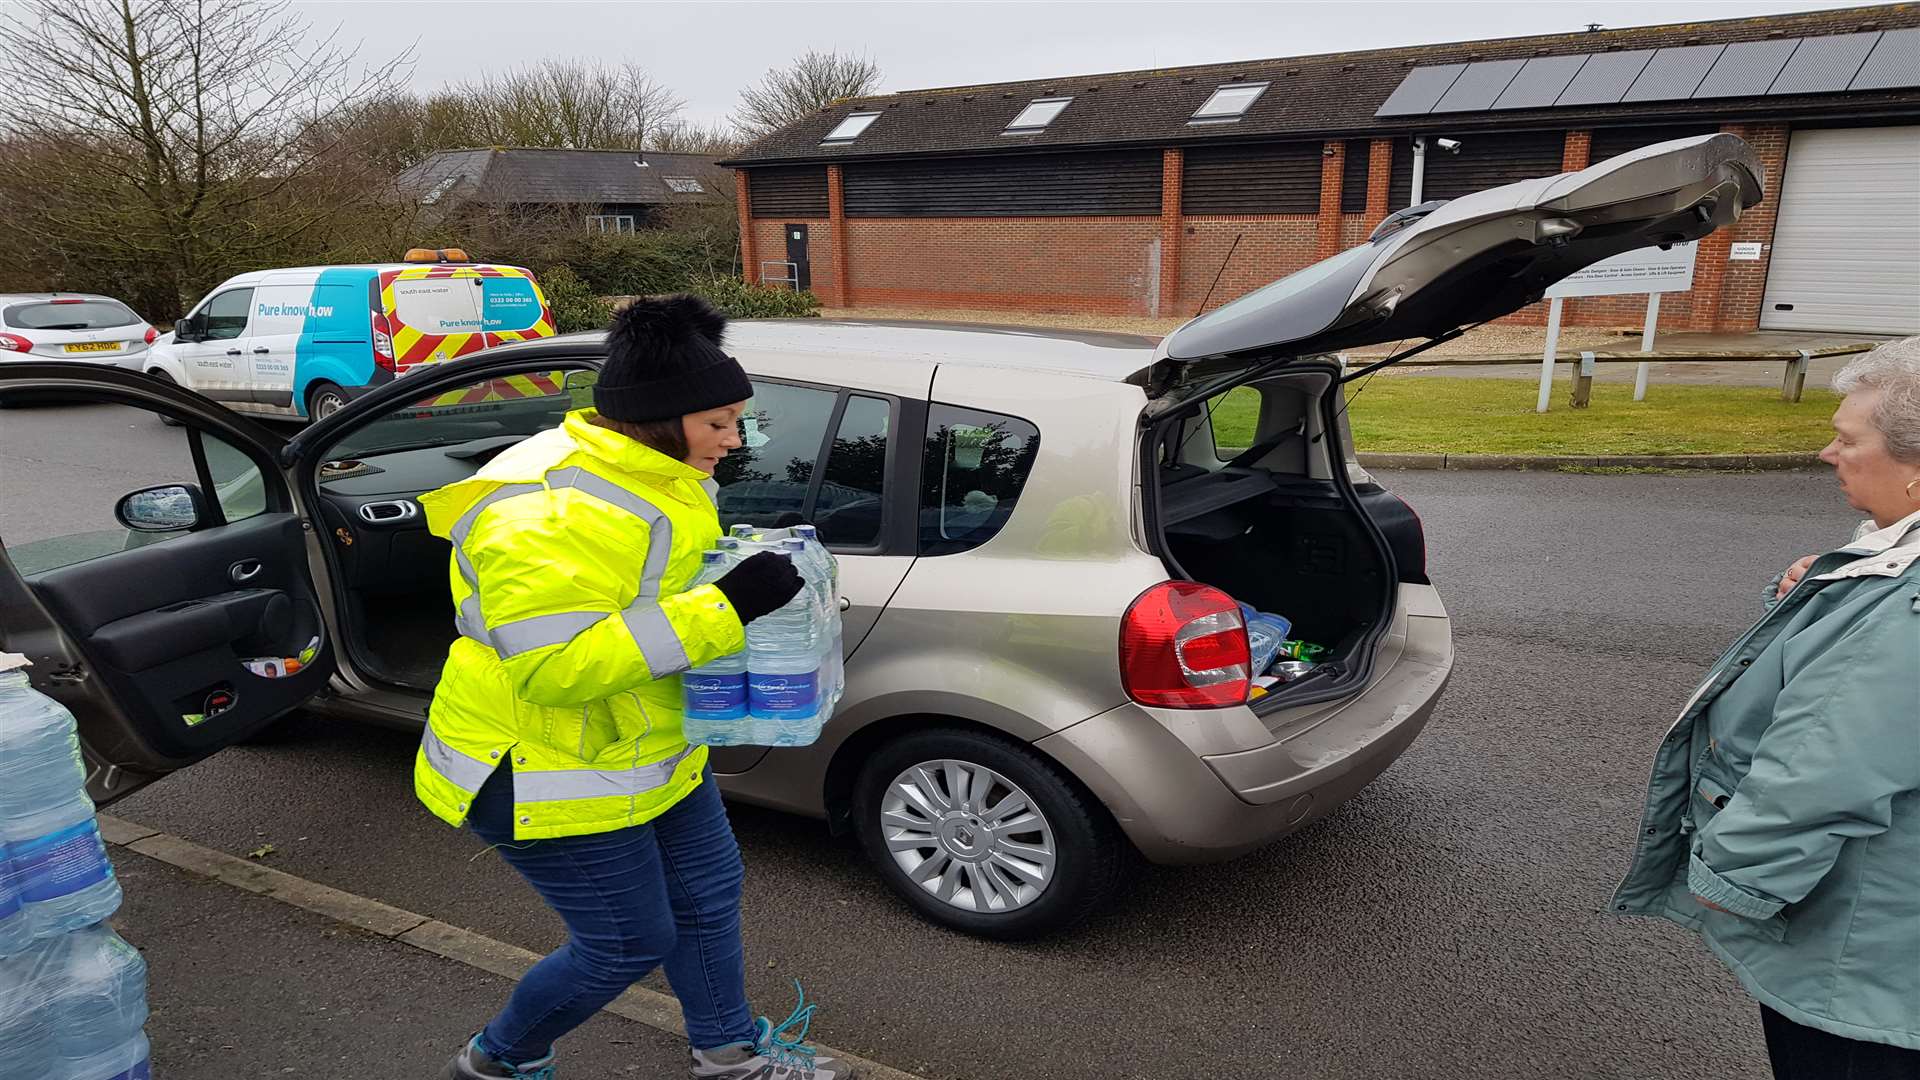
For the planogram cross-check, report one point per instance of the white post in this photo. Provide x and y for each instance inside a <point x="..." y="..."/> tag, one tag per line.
<point x="1646" y="346"/>
<point x="1546" y="358"/>
<point x="1419" y="169"/>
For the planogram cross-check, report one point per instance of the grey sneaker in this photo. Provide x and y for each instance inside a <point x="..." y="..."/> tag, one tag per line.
<point x="774" y="1054"/>
<point x="473" y="1063"/>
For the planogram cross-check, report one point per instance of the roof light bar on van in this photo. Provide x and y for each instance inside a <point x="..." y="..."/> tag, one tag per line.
<point x="435" y="255"/>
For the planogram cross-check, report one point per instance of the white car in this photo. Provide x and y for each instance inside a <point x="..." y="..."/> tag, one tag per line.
<point x="73" y="326"/>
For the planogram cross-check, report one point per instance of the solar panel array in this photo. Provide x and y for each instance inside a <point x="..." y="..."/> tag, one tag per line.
<point x="1821" y="65"/>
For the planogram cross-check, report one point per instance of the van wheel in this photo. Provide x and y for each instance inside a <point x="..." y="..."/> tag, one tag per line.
<point x="323" y="400"/>
<point x="168" y="379"/>
<point x="979" y="833"/>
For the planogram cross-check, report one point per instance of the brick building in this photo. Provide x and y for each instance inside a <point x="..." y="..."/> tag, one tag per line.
<point x="1146" y="193"/>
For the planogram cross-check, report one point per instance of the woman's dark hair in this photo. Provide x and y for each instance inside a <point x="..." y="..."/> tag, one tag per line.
<point x="667" y="436"/>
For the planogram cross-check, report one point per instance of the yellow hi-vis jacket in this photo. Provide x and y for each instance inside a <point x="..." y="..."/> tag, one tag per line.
<point x="572" y="553"/>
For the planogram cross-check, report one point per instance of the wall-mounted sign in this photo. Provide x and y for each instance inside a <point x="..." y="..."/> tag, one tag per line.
<point x="1743" y="253"/>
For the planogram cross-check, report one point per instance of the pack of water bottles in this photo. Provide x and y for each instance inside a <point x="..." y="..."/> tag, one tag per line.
<point x="73" y="995"/>
<point x="783" y="688"/>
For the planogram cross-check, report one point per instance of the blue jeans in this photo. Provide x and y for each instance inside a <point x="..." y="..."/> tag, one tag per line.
<point x="664" y="893"/>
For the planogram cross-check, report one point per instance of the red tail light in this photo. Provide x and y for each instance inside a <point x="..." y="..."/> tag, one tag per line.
<point x="15" y="343"/>
<point x="1184" y="646"/>
<point x="383" y="343"/>
<point x="152" y="335"/>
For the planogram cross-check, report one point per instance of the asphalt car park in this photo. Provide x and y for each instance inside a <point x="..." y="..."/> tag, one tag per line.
<point x="1448" y="921"/>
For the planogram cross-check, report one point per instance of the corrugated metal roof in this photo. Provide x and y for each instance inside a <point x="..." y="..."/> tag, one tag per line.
<point x="541" y="176"/>
<point x="1330" y="94"/>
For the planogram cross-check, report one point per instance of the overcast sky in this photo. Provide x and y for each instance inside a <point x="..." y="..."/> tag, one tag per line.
<point x="707" y="51"/>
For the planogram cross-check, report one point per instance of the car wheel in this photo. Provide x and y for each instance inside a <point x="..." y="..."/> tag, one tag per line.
<point x="168" y="379"/>
<point x="980" y="833"/>
<point x="324" y="399"/>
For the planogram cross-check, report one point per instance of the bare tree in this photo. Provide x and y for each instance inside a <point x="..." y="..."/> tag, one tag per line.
<point x="557" y="104"/>
<point x="179" y="132"/>
<point x="682" y="138"/>
<point x="811" y="83"/>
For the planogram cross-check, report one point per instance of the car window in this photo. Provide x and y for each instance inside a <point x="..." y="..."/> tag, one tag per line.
<point x="64" y="468"/>
<point x="765" y="482"/>
<point x="227" y="314"/>
<point x="70" y="315"/>
<point x="976" y="464"/>
<point x="500" y="411"/>
<point x="852" y="488"/>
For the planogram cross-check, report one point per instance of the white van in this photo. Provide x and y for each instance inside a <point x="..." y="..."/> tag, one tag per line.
<point x="301" y="342"/>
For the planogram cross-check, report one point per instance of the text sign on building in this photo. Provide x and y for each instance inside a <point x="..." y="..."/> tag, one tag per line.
<point x="1743" y="253"/>
<point x="1642" y="270"/>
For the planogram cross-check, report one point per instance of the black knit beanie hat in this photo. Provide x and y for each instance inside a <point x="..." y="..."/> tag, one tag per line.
<point x="664" y="360"/>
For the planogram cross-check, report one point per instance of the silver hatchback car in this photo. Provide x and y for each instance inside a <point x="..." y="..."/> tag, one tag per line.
<point x="1045" y="541"/>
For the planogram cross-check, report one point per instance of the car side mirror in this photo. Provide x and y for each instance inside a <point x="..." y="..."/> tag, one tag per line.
<point x="191" y="328"/>
<point x="166" y="508"/>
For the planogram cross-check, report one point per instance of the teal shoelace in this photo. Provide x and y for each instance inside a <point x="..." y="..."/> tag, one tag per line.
<point x="787" y="1050"/>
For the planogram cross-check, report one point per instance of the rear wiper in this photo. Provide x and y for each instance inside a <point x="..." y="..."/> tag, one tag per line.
<point x="70" y="326"/>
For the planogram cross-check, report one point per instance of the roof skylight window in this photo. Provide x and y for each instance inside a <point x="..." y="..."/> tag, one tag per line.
<point x="1229" y="103"/>
<point x="849" y="129"/>
<point x="685" y="185"/>
<point x="1037" y="115"/>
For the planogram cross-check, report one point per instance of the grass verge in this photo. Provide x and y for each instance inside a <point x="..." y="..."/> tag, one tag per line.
<point x="1495" y="416"/>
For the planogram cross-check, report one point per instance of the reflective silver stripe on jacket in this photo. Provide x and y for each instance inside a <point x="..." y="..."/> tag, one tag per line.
<point x="465" y="773"/>
<point x="563" y="784"/>
<point x="644" y="619"/>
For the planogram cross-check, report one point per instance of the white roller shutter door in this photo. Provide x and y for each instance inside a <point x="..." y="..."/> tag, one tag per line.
<point x="1846" y="249"/>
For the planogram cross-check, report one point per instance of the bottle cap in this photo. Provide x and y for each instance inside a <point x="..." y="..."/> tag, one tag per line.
<point x="10" y="661"/>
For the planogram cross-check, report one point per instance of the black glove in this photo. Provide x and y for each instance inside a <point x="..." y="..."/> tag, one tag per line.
<point x="760" y="585"/>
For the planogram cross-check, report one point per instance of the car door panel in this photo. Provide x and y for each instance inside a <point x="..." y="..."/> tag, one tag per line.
<point x="166" y="629"/>
<point x="146" y="641"/>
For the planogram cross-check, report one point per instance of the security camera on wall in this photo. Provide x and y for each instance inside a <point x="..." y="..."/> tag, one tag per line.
<point x="1451" y="146"/>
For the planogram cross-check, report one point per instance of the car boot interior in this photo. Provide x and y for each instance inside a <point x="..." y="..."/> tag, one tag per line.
<point x="1273" y="525"/>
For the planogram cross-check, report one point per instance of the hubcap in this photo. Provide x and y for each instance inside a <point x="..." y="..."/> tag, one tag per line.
<point x="968" y="836"/>
<point x="326" y="405"/>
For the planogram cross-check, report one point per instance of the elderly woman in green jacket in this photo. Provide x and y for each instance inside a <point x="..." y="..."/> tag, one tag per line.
<point x="1783" y="817"/>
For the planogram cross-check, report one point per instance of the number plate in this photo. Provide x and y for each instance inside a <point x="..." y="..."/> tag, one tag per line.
<point x="94" y="346"/>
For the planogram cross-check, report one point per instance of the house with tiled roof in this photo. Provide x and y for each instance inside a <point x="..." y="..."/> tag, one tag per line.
<point x="608" y="190"/>
<point x="1157" y="192"/>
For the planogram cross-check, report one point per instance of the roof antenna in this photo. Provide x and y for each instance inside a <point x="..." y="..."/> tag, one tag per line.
<point x="1217" y="273"/>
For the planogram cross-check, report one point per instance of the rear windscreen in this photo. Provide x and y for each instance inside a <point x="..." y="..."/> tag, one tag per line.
<point x="71" y="315"/>
<point x="438" y="305"/>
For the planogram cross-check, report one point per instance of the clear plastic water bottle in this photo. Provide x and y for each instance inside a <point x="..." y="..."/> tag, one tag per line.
<point x="783" y="670"/>
<point x="46" y="819"/>
<point x="16" y="932"/>
<point x="98" y="1002"/>
<point x="714" y="695"/>
<point x="26" y="1022"/>
<point x="834" y="673"/>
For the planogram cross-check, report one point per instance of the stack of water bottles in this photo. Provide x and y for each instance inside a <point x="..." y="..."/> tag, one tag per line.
<point x="73" y="995"/>
<point x="783" y="688"/>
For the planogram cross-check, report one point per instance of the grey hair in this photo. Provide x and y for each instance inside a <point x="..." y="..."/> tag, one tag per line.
<point x="1894" y="370"/>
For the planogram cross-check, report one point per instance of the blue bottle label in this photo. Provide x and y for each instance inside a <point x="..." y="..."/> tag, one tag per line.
<point x="142" y="1071"/>
<point x="784" y="697"/>
<point x="715" y="697"/>
<point x="60" y="863"/>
